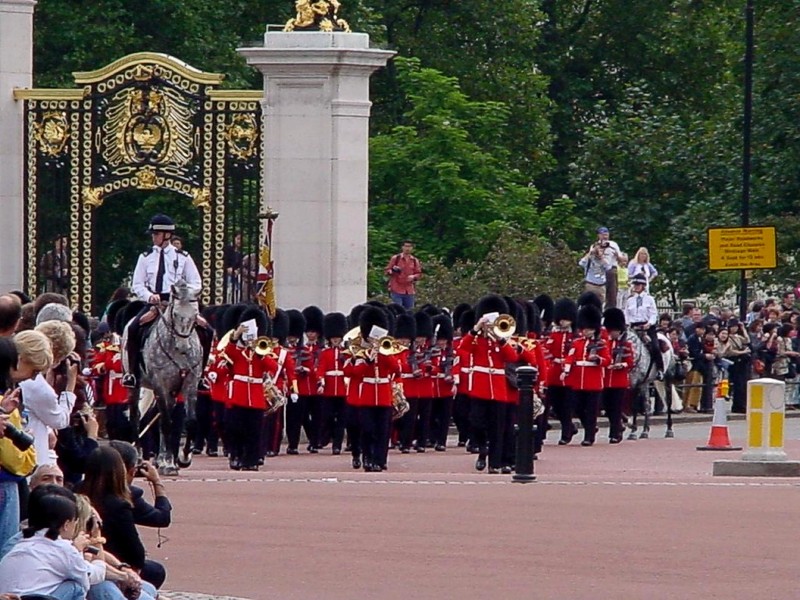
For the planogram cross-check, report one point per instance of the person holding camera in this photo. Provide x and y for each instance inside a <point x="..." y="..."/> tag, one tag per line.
<point x="596" y="269"/>
<point x="158" y="514"/>
<point x="404" y="271"/>
<point x="612" y="254"/>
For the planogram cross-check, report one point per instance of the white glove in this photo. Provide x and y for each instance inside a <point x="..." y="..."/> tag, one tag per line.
<point x="212" y="377"/>
<point x="294" y="397"/>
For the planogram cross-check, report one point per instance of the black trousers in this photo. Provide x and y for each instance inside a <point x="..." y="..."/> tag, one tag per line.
<point x="333" y="421"/>
<point x="461" y="417"/>
<point x="151" y="441"/>
<point x="375" y="422"/>
<point x="406" y="425"/>
<point x="587" y="405"/>
<point x="300" y="414"/>
<point x="510" y="435"/>
<point x="488" y="421"/>
<point x="243" y="433"/>
<point x="353" y="427"/>
<point x="612" y="404"/>
<point x="562" y="401"/>
<point x="206" y="433"/>
<point x="272" y="433"/>
<point x="118" y="426"/>
<point x="153" y="572"/>
<point x="441" y="410"/>
<point x="738" y="376"/>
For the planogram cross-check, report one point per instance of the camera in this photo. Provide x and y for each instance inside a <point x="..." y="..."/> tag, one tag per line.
<point x="141" y="470"/>
<point x="604" y="244"/>
<point x="19" y="438"/>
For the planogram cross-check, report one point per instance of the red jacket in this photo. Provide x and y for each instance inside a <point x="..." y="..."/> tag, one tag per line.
<point x="556" y="348"/>
<point x="330" y="372"/>
<point x="374" y="387"/>
<point x="218" y="374"/>
<point x="107" y="361"/>
<point x="584" y="373"/>
<point x="284" y="374"/>
<point x="621" y="354"/>
<point x="487" y="378"/>
<point x="462" y="367"/>
<point x="419" y="384"/>
<point x="306" y="369"/>
<point x="442" y="374"/>
<point x="246" y="385"/>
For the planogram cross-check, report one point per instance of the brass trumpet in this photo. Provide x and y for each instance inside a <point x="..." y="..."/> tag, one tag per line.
<point x="503" y="328"/>
<point x="388" y="346"/>
<point x="264" y="345"/>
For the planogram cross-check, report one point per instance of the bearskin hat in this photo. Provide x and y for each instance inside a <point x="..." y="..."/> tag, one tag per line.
<point x="218" y="318"/>
<point x="280" y="326"/>
<point x="314" y="317"/>
<point x="231" y="317"/>
<point x="371" y="317"/>
<point x="430" y="310"/>
<point x="517" y="310"/>
<point x="424" y="324"/>
<point x="614" y="319"/>
<point x="82" y="321"/>
<point x="545" y="305"/>
<point x="489" y="304"/>
<point x="467" y="321"/>
<point x="355" y="314"/>
<point x="256" y="312"/>
<point x="334" y="325"/>
<point x="396" y="309"/>
<point x="445" y="327"/>
<point x="589" y="317"/>
<point x="392" y="318"/>
<point x="116" y="308"/>
<point x="534" y="321"/>
<point x="590" y="298"/>
<point x="297" y="323"/>
<point x="406" y="327"/>
<point x="564" y="309"/>
<point x="458" y="311"/>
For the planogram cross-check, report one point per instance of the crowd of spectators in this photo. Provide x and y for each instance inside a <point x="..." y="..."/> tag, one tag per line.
<point x="69" y="509"/>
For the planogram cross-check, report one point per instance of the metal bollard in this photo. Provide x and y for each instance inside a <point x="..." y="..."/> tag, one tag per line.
<point x="526" y="378"/>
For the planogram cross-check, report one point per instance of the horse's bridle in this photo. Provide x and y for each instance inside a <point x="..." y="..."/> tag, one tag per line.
<point x="171" y="321"/>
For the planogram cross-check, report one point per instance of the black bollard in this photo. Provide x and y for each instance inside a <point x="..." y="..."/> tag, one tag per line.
<point x="526" y="378"/>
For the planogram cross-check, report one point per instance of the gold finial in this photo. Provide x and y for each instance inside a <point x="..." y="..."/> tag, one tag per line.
<point x="201" y="198"/>
<point x="321" y="15"/>
<point x="93" y="197"/>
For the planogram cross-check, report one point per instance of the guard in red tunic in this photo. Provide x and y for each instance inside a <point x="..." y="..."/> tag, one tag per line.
<point x="442" y="362"/>
<point x="307" y="380"/>
<point x="405" y="332"/>
<point x="584" y="370"/>
<point x="296" y="408"/>
<point x="540" y="322"/>
<point x="331" y="386"/>
<point x="246" y="392"/>
<point x="284" y="378"/>
<point x="556" y="348"/>
<point x="617" y="380"/>
<point x="487" y="382"/>
<point x="108" y="364"/>
<point x="463" y="320"/>
<point x="373" y="397"/>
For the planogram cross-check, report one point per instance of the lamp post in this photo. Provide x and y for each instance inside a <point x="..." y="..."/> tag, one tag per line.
<point x="748" y="125"/>
<point x="526" y="378"/>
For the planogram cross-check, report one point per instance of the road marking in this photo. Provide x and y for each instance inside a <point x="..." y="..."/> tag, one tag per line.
<point x="345" y="481"/>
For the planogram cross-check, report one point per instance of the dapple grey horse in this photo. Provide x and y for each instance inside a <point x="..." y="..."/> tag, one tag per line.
<point x="643" y="375"/>
<point x="172" y="357"/>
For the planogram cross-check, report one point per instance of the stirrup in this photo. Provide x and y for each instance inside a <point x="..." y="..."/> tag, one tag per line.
<point x="129" y="380"/>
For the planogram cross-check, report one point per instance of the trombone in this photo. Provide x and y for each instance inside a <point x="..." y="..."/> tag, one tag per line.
<point x="358" y="347"/>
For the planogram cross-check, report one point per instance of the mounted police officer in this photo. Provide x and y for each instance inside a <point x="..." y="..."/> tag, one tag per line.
<point x="156" y="271"/>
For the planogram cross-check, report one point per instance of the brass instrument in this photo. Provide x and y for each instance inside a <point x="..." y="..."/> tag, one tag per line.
<point x="502" y="328"/>
<point x="357" y="347"/>
<point x="400" y="405"/>
<point x="264" y="345"/>
<point x="389" y="346"/>
<point x="274" y="396"/>
<point x="525" y="343"/>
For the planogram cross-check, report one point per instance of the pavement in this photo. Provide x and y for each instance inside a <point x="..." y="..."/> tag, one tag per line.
<point x="640" y="519"/>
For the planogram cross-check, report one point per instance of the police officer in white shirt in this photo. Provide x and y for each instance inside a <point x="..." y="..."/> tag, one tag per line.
<point x="641" y="313"/>
<point x="156" y="271"/>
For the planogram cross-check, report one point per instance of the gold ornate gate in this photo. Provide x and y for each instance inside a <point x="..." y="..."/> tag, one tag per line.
<point x="145" y="122"/>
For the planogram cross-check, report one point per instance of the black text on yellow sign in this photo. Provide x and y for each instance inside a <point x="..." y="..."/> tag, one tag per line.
<point x="741" y="248"/>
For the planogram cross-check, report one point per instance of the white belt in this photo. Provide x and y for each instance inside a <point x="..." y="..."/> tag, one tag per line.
<point x="586" y="363"/>
<point x="114" y="375"/>
<point x="466" y="370"/>
<point x="488" y="370"/>
<point x="375" y="380"/>
<point x="558" y="360"/>
<point x="334" y="373"/>
<point x="407" y="376"/>
<point x="247" y="379"/>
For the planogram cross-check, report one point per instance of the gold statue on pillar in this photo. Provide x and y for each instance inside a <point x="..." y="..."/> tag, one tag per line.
<point x="319" y="15"/>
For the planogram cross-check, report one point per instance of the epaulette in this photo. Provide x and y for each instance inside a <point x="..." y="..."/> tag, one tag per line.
<point x="147" y="252"/>
<point x="184" y="252"/>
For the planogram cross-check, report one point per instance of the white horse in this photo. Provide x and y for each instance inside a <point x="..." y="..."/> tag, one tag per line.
<point x="643" y="375"/>
<point x="172" y="365"/>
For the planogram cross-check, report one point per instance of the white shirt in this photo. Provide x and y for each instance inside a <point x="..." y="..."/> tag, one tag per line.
<point x="641" y="308"/>
<point x="38" y="565"/>
<point x="177" y="265"/>
<point x="611" y="253"/>
<point x="46" y="410"/>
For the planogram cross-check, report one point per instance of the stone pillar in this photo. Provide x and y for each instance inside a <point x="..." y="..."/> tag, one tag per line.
<point x="16" y="71"/>
<point x="316" y="162"/>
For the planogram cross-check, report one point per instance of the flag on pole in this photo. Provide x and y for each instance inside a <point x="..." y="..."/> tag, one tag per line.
<point x="265" y="281"/>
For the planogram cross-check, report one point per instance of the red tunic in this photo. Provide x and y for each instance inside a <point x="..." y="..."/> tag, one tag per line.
<point x="442" y="375"/>
<point x="108" y="362"/>
<point x="330" y="372"/>
<point x="621" y="354"/>
<point x="246" y="386"/>
<point x="487" y="378"/>
<point x="416" y="384"/>
<point x="218" y="373"/>
<point x="535" y="358"/>
<point x="462" y="367"/>
<point x="307" y="381"/>
<point x="374" y="387"/>
<point x="556" y="348"/>
<point x="584" y="374"/>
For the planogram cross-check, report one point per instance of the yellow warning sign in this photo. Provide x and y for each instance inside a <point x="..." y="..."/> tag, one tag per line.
<point x="741" y="248"/>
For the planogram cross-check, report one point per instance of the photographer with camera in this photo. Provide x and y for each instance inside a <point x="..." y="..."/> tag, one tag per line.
<point x="404" y="271"/>
<point x="612" y="255"/>
<point x="158" y="514"/>
<point x="596" y="270"/>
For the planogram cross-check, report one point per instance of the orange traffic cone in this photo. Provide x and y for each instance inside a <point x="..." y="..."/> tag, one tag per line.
<point x="719" y="439"/>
